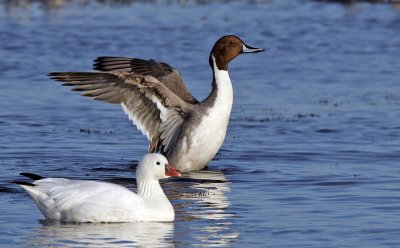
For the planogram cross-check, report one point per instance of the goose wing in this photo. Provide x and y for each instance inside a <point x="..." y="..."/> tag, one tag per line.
<point x="154" y="108"/>
<point x="162" y="71"/>
<point x="77" y="200"/>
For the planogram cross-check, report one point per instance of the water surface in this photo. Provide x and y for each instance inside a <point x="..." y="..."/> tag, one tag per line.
<point x="311" y="158"/>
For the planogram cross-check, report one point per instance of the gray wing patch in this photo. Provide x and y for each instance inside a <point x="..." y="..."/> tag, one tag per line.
<point x="170" y="129"/>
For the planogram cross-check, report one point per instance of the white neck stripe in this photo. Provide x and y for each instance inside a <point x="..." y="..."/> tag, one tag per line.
<point x="214" y="62"/>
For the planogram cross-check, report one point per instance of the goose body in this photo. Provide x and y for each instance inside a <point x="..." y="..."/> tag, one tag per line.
<point x="154" y="96"/>
<point x="92" y="201"/>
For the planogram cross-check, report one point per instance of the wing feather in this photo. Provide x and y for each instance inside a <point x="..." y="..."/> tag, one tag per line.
<point x="156" y="111"/>
<point x="170" y="130"/>
<point x="165" y="73"/>
<point x="60" y="198"/>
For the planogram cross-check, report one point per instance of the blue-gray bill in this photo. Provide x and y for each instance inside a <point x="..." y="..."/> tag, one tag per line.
<point x="249" y="49"/>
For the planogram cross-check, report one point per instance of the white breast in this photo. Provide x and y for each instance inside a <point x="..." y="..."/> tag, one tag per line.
<point x="210" y="132"/>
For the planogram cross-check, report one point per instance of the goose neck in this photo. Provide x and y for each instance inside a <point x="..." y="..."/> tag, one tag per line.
<point x="149" y="188"/>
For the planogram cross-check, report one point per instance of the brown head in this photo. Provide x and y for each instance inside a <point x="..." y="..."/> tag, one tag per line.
<point x="227" y="48"/>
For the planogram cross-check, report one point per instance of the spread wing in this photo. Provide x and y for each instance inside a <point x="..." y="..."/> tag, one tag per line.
<point x="163" y="72"/>
<point x="154" y="108"/>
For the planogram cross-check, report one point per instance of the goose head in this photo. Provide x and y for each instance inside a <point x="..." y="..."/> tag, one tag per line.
<point x="154" y="166"/>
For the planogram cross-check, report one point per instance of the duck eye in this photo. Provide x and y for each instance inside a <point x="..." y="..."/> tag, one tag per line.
<point x="158" y="163"/>
<point x="232" y="42"/>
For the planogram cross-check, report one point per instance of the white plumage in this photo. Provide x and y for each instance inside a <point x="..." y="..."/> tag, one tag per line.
<point x="91" y="201"/>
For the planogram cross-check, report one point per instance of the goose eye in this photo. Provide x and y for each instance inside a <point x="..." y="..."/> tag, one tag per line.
<point x="158" y="163"/>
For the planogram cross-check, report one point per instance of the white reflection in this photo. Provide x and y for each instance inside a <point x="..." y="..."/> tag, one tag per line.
<point x="204" y="206"/>
<point x="211" y="188"/>
<point x="137" y="234"/>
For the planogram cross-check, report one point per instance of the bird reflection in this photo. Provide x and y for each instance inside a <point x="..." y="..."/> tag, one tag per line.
<point x="201" y="203"/>
<point x="137" y="234"/>
<point x="207" y="190"/>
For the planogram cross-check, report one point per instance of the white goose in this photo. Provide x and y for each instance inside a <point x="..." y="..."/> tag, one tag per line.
<point x="91" y="201"/>
<point x="187" y="131"/>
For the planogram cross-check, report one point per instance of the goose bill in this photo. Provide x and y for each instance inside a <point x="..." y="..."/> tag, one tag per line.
<point x="171" y="172"/>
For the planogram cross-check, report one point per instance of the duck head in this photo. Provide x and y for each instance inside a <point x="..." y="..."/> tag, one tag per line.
<point x="226" y="49"/>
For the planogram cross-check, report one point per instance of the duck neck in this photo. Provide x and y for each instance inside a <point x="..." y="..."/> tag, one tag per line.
<point x="149" y="189"/>
<point x="221" y="86"/>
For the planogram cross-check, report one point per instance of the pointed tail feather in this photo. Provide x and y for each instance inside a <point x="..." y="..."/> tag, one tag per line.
<point x="23" y="183"/>
<point x="31" y="176"/>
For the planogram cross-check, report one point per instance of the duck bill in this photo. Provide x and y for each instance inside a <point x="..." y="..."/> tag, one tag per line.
<point x="171" y="172"/>
<point x="249" y="49"/>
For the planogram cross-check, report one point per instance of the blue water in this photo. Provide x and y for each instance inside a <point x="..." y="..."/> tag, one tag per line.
<point x="312" y="154"/>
